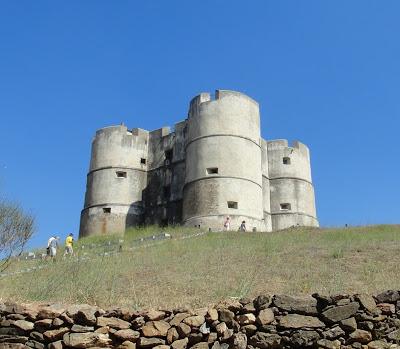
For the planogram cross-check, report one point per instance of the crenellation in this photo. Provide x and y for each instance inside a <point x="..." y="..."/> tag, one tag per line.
<point x="214" y="164"/>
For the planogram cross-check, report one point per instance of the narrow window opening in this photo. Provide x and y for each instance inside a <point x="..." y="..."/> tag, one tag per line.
<point x="167" y="191"/>
<point x="286" y="207"/>
<point x="233" y="204"/>
<point x="168" y="154"/>
<point x="143" y="161"/>
<point x="106" y="209"/>
<point x="212" y="170"/>
<point x="286" y="161"/>
<point x="121" y="174"/>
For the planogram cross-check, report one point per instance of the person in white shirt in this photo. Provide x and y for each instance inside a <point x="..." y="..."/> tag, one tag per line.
<point x="227" y="224"/>
<point x="52" y="245"/>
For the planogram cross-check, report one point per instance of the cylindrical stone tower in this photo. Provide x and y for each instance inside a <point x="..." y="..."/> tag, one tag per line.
<point x="223" y="162"/>
<point x="292" y="191"/>
<point x="116" y="179"/>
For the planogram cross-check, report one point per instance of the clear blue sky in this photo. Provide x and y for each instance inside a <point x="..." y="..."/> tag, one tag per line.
<point x="324" y="72"/>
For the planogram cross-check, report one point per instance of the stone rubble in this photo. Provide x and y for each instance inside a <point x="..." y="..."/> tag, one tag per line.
<point x="324" y="322"/>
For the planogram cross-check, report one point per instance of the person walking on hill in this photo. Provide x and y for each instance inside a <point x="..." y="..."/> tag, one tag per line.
<point x="227" y="224"/>
<point x="69" y="242"/>
<point x="52" y="246"/>
<point x="243" y="226"/>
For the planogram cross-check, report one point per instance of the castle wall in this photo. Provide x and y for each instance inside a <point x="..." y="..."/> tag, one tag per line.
<point x="163" y="194"/>
<point x="115" y="181"/>
<point x="266" y="186"/>
<point x="292" y="192"/>
<point x="221" y="135"/>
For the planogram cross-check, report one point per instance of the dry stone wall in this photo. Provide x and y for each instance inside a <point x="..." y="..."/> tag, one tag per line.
<point x="329" y="322"/>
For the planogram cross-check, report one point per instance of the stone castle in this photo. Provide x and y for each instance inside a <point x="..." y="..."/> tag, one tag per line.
<point x="212" y="165"/>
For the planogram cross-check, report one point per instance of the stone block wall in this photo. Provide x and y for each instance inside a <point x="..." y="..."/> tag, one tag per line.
<point x="343" y="321"/>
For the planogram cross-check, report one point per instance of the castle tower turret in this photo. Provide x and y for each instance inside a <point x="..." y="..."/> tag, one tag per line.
<point x="292" y="191"/>
<point x="223" y="162"/>
<point x="116" y="179"/>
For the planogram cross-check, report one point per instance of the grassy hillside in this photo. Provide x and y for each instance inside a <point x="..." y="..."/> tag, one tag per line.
<point x="201" y="270"/>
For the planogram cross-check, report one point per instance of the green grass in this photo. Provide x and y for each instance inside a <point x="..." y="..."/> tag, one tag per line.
<point x="202" y="270"/>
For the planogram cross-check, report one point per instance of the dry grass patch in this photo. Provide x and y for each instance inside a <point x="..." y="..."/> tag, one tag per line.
<point x="203" y="270"/>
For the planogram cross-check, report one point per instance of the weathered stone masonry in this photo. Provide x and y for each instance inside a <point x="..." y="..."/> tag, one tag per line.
<point x="326" y="322"/>
<point x="212" y="165"/>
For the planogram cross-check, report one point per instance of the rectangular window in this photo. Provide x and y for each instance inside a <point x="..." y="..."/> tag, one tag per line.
<point x="106" y="209"/>
<point x="212" y="170"/>
<point x="286" y="161"/>
<point x="121" y="174"/>
<point x="233" y="204"/>
<point x="143" y="161"/>
<point x="286" y="207"/>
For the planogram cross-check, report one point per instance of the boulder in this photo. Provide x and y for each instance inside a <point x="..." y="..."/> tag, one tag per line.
<point x="194" y="338"/>
<point x="112" y="322"/>
<point x="24" y="325"/>
<point x="298" y="305"/>
<point x="200" y="345"/>
<point x="246" y="319"/>
<point x="183" y="330"/>
<point x="238" y="341"/>
<point x="55" y="335"/>
<point x="56" y="345"/>
<point x="265" y="317"/>
<point x="57" y="322"/>
<point x="86" y="340"/>
<point x="180" y="344"/>
<point x="204" y="329"/>
<point x="348" y="325"/>
<point x="84" y="314"/>
<point x="394" y="335"/>
<point x="212" y="337"/>
<point x="37" y="336"/>
<point x="262" y="302"/>
<point x="333" y="333"/>
<point x="212" y="315"/>
<point x="390" y="296"/>
<point x="264" y="340"/>
<point x="299" y="321"/>
<point x="387" y="308"/>
<point x="367" y="302"/>
<point x="43" y="325"/>
<point x="327" y="344"/>
<point x="304" y="339"/>
<point x="172" y="335"/>
<point x="80" y="328"/>
<point x="194" y="321"/>
<point x="12" y="346"/>
<point x="379" y="344"/>
<point x="178" y="318"/>
<point x="341" y="312"/>
<point x="361" y="336"/>
<point x="154" y="315"/>
<point x="221" y="328"/>
<point x="34" y="344"/>
<point x="249" y="330"/>
<point x="50" y="311"/>
<point x="127" y="335"/>
<point x="127" y="345"/>
<point x="225" y="315"/>
<point x="144" y="342"/>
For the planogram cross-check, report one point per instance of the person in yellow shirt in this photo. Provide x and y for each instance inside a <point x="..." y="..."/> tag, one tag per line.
<point x="69" y="242"/>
